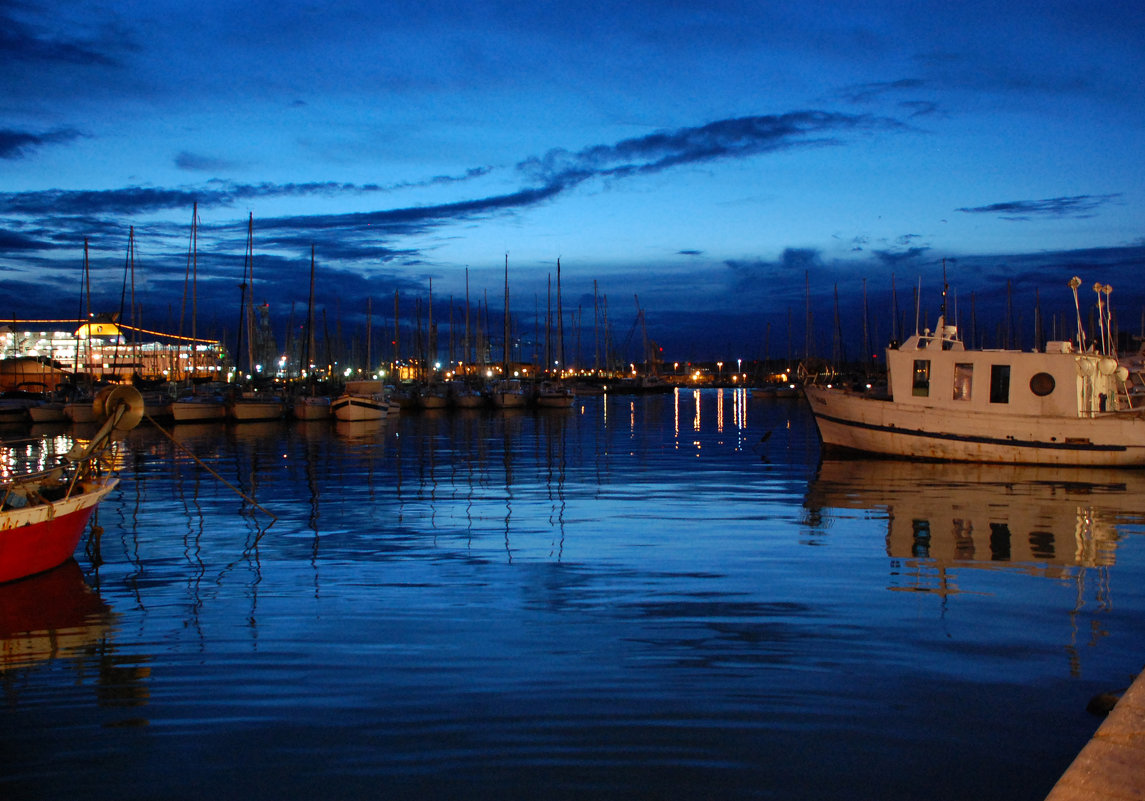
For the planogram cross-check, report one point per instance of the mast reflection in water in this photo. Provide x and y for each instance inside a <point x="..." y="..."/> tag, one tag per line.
<point x="642" y="596"/>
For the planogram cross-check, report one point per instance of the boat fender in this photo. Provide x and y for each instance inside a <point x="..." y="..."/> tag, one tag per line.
<point x="1086" y="366"/>
<point x="1107" y="365"/>
<point x="1122" y="373"/>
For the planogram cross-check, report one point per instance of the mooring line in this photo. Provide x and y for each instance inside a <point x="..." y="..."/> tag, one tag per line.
<point x="214" y="473"/>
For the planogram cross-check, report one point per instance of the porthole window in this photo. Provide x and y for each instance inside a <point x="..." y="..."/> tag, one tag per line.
<point x="1042" y="384"/>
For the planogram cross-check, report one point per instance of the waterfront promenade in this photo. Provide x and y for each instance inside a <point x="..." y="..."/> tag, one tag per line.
<point x="1112" y="764"/>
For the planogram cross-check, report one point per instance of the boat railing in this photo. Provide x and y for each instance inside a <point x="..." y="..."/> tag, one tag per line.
<point x="51" y="484"/>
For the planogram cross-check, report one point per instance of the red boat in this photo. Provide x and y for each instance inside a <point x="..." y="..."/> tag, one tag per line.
<point x="44" y="513"/>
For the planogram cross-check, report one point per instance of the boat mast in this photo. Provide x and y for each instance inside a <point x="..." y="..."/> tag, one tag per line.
<point x="560" y="324"/>
<point x="310" y="318"/>
<point x="505" y="349"/>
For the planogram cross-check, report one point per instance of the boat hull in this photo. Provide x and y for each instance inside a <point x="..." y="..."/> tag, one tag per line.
<point x="38" y="538"/>
<point x="857" y="422"/>
<point x="197" y="411"/>
<point x="312" y="408"/>
<point x="249" y="411"/>
<point x="354" y="409"/>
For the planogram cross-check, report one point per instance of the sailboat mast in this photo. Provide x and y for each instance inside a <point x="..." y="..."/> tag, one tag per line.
<point x="560" y="324"/>
<point x="505" y="349"/>
<point x="250" y="295"/>
<point x="310" y="318"/>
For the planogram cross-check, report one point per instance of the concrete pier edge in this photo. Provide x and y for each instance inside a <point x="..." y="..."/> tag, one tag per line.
<point x="1112" y="764"/>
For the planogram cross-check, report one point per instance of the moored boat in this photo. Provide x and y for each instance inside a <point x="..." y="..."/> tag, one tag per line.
<point x="198" y="407"/>
<point x="44" y="513"/>
<point x="362" y="400"/>
<point x="507" y="394"/>
<point x="311" y="407"/>
<point x="555" y="395"/>
<point x="255" y="406"/>
<point x="1059" y="406"/>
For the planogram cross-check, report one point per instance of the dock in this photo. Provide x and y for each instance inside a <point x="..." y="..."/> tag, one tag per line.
<point x="1111" y="767"/>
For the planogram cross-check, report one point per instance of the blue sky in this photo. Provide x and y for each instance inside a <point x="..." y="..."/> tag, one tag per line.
<point x="717" y="161"/>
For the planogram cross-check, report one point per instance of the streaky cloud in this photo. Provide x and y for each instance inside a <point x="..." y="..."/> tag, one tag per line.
<point x="17" y="144"/>
<point x="1077" y="206"/>
<point x="738" y="137"/>
<point x="864" y="93"/>
<point x="198" y="162"/>
<point x="20" y="44"/>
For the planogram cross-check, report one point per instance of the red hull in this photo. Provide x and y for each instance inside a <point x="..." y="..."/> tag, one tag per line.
<point x="32" y="546"/>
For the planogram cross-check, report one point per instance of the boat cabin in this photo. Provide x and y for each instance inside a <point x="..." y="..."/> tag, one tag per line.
<point x="934" y="369"/>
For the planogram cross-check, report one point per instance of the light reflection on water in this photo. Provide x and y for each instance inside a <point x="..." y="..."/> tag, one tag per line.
<point x="660" y="596"/>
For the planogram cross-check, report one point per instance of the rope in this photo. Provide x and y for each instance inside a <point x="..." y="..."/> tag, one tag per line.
<point x="208" y="468"/>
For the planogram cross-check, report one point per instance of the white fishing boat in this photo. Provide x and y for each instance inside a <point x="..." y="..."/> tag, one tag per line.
<point x="1062" y="405"/>
<point x="362" y="400"/>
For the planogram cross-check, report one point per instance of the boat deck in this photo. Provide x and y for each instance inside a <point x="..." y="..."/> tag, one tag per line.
<point x="1111" y="767"/>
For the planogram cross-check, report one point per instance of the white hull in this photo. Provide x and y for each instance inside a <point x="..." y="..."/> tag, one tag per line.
<point x="357" y="408"/>
<point x="243" y="411"/>
<point x="48" y="413"/>
<point x="858" y="422"/>
<point x="197" y="411"/>
<point x="312" y="408"/>
<point x="80" y="412"/>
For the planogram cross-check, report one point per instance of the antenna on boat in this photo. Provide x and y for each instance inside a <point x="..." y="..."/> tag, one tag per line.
<point x="944" y="288"/>
<point x="917" y="292"/>
<point x="1074" y="283"/>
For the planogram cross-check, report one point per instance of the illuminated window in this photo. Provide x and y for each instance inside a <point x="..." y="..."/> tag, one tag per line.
<point x="963" y="380"/>
<point x="921" y="385"/>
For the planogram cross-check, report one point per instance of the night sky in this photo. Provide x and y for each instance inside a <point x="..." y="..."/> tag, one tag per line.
<point x="717" y="163"/>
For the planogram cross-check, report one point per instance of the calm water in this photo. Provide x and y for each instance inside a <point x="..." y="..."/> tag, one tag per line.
<point x="643" y="597"/>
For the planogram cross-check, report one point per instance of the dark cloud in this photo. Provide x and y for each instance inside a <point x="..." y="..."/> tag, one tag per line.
<point x="1076" y="206"/>
<point x="22" y="43"/>
<point x="738" y="137"/>
<point x="197" y="162"/>
<point x="689" y="253"/>
<point x="17" y="144"/>
<point x="864" y="93"/>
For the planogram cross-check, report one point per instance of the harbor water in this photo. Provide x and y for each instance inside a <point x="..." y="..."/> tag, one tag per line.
<point x="665" y="596"/>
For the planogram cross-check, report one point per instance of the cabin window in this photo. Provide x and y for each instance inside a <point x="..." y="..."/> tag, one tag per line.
<point x="1042" y="384"/>
<point x="921" y="384"/>
<point x="999" y="383"/>
<point x="963" y="379"/>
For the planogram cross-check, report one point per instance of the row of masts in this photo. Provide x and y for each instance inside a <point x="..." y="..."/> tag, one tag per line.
<point x="255" y="349"/>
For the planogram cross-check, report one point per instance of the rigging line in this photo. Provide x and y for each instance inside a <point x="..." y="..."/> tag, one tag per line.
<point x="210" y="470"/>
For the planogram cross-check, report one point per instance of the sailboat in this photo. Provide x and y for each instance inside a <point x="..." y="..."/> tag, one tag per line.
<point x="507" y="393"/>
<point x="79" y="409"/>
<point x="196" y="405"/>
<point x="251" y="404"/>
<point x="309" y="405"/>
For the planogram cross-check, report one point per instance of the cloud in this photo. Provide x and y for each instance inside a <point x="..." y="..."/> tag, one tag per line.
<point x="22" y="43"/>
<point x="1077" y="206"/>
<point x="197" y="162"/>
<point x="16" y="144"/>
<point x="738" y="137"/>
<point x="870" y="92"/>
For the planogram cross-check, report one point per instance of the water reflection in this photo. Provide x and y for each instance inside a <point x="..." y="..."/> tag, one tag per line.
<point x="55" y="621"/>
<point x="942" y="520"/>
<point x="1050" y="517"/>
